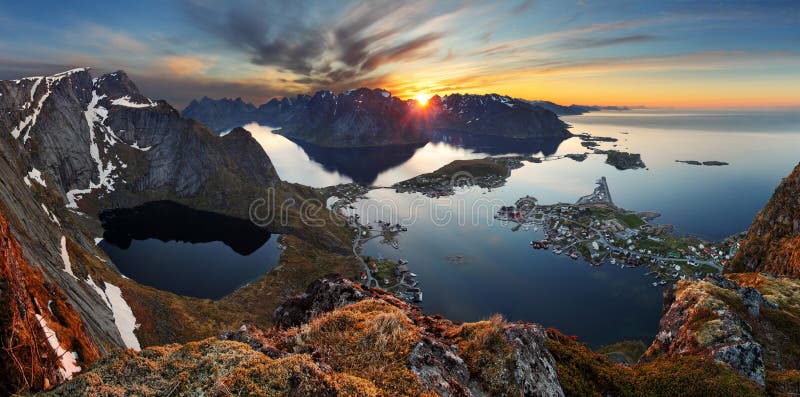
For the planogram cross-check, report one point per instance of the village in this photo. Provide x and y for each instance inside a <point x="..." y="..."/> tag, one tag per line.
<point x="392" y="276"/>
<point x="597" y="231"/>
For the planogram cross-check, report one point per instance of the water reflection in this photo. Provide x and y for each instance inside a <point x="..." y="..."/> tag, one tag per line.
<point x="499" y="145"/>
<point x="383" y="166"/>
<point x="362" y="165"/>
<point x="169" y="221"/>
<point x="194" y="253"/>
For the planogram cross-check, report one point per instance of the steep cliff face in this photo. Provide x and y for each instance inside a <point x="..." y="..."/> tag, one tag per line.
<point x="108" y="146"/>
<point x="365" y="117"/>
<point x="772" y="244"/>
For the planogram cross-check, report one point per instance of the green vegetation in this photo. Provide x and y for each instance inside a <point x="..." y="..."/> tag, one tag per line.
<point x="475" y="167"/>
<point x="632" y="221"/>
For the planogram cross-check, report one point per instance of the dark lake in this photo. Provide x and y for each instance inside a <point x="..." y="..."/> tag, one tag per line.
<point x="194" y="253"/>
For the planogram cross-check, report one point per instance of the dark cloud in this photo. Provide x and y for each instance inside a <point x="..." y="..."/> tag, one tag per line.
<point x="325" y="51"/>
<point x="603" y="42"/>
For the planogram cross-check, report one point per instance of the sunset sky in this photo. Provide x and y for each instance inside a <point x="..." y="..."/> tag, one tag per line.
<point x="674" y="53"/>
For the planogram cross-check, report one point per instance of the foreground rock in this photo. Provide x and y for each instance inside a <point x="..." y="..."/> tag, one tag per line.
<point x="747" y="321"/>
<point x="351" y="341"/>
<point x="341" y="339"/>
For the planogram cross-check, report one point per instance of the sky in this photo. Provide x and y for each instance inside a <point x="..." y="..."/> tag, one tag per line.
<point x="687" y="54"/>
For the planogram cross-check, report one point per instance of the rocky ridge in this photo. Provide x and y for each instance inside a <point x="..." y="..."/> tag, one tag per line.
<point x="365" y="117"/>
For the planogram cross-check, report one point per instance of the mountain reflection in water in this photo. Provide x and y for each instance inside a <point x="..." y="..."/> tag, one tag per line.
<point x="169" y="221"/>
<point x="194" y="253"/>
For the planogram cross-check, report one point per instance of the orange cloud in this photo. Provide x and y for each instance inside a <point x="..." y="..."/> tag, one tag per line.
<point x="186" y="66"/>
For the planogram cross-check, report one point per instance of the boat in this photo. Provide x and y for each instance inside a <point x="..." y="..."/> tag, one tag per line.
<point x="655" y="284"/>
<point x="573" y="255"/>
<point x="557" y="251"/>
<point x="613" y="261"/>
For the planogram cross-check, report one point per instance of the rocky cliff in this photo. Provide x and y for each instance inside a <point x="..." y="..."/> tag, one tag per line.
<point x="748" y="321"/>
<point x="364" y="117"/>
<point x="772" y="243"/>
<point x="73" y="146"/>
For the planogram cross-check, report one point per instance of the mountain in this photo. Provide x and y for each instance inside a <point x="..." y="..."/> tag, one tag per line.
<point x="772" y="244"/>
<point x="73" y="147"/>
<point x="561" y="110"/>
<point x="573" y="110"/>
<point x="222" y="114"/>
<point x="364" y="117"/>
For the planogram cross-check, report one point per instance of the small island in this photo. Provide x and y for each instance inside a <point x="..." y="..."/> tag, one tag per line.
<point x="623" y="160"/>
<point x="706" y="163"/>
<point x="489" y="172"/>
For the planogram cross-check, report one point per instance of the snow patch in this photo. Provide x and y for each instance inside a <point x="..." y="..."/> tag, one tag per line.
<point x="65" y="257"/>
<point x="97" y="240"/>
<point x="128" y="102"/>
<point x="51" y="215"/>
<point x="34" y="175"/>
<point x="98" y="290"/>
<point x="123" y="316"/>
<point x="69" y="363"/>
<point x="95" y="116"/>
<point x="144" y="149"/>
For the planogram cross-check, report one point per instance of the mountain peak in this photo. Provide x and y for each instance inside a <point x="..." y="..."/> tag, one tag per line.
<point x="117" y="84"/>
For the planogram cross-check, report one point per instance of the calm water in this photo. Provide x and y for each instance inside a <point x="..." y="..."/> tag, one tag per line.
<point x="188" y="252"/>
<point x="498" y="271"/>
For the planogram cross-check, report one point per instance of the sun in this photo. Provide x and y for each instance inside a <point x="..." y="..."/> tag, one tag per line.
<point x="422" y="98"/>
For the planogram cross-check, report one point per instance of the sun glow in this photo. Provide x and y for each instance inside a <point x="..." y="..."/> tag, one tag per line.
<point x="422" y="98"/>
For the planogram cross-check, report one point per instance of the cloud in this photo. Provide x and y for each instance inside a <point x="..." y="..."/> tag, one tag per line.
<point x="186" y="65"/>
<point x="329" y="50"/>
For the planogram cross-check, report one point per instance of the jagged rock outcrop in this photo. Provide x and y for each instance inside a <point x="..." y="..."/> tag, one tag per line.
<point x="745" y="321"/>
<point x="364" y="117"/>
<point x="355" y="342"/>
<point x="699" y="321"/>
<point x="322" y="296"/>
<point x="772" y="244"/>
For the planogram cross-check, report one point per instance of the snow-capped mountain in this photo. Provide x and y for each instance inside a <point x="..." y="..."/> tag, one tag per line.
<point x="365" y="117"/>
